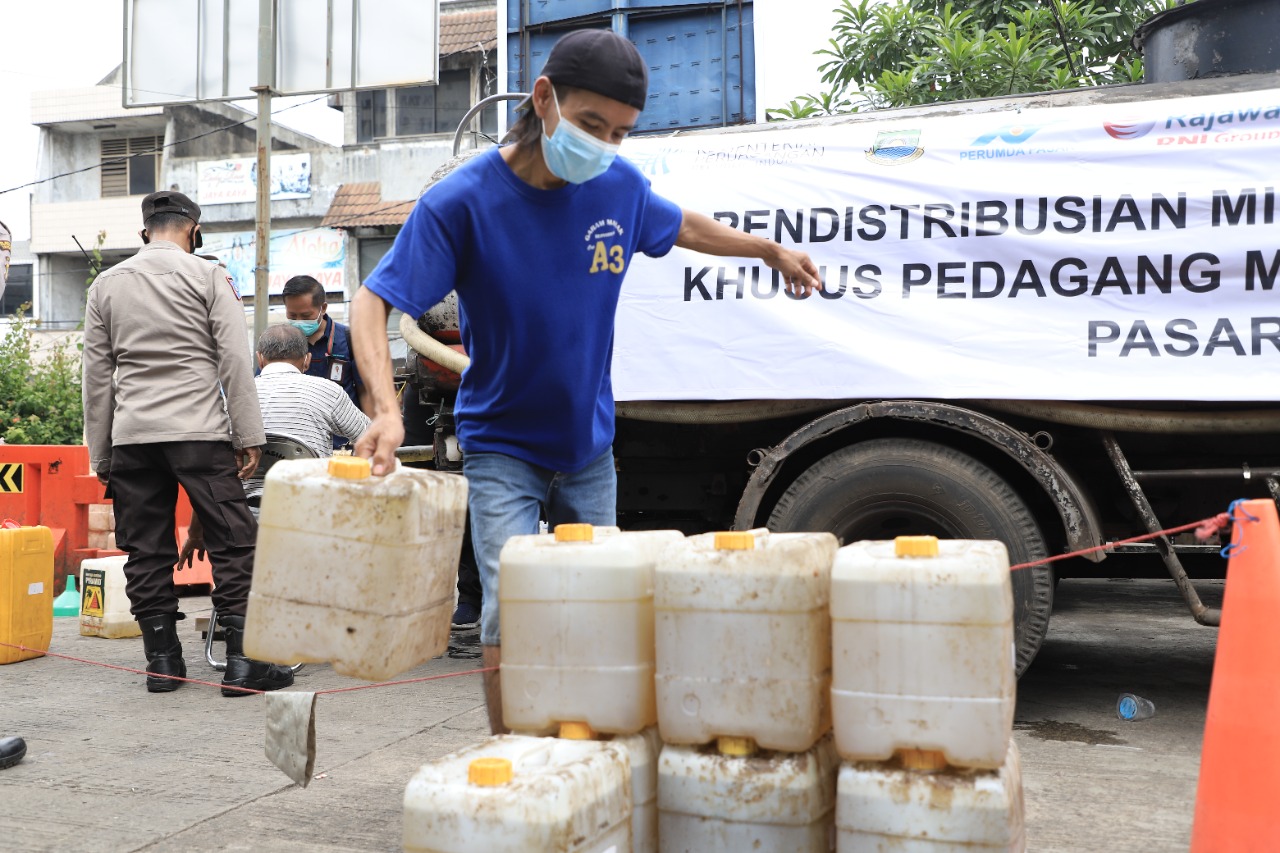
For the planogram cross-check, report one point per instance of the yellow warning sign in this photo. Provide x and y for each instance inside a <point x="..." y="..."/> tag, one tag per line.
<point x="11" y="477"/>
<point x="91" y="600"/>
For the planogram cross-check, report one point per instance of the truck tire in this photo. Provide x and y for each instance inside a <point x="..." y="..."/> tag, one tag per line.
<point x="889" y="487"/>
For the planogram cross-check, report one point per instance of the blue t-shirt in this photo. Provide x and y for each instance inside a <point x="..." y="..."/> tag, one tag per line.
<point x="538" y="273"/>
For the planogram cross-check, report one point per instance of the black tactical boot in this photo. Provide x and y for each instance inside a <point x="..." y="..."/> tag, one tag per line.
<point x="246" y="672"/>
<point x="164" y="651"/>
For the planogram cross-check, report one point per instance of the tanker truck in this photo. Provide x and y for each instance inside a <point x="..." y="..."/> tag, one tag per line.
<point x="1047" y="319"/>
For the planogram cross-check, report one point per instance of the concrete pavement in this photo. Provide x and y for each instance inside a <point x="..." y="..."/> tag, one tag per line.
<point x="113" y="768"/>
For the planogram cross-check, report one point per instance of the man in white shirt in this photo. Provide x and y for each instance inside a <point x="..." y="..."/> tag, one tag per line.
<point x="309" y="409"/>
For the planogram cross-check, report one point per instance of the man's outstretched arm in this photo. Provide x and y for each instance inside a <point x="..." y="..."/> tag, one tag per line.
<point x="701" y="233"/>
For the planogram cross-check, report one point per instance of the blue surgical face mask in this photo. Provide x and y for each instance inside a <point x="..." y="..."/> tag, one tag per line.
<point x="574" y="155"/>
<point x="307" y="327"/>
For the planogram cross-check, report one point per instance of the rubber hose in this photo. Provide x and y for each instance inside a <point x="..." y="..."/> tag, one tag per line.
<point x="431" y="349"/>
<point x="1241" y="422"/>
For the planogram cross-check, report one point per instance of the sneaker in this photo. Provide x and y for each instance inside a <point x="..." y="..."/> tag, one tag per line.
<point x="467" y="615"/>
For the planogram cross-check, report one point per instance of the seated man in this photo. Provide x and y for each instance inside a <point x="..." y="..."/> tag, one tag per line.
<point x="306" y="408"/>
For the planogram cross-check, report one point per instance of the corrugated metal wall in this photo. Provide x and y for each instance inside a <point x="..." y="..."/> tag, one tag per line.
<point x="701" y="55"/>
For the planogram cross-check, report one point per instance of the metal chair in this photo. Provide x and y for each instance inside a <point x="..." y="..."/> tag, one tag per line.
<point x="276" y="448"/>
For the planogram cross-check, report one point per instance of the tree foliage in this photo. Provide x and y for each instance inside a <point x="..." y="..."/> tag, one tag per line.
<point x="893" y="53"/>
<point x="39" y="392"/>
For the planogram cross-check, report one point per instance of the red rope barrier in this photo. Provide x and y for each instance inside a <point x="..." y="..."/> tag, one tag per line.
<point x="23" y="648"/>
<point x="1204" y="529"/>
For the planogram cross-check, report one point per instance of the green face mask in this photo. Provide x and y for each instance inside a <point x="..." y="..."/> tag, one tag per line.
<point x="307" y="327"/>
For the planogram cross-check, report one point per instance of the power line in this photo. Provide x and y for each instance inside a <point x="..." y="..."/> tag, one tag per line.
<point x="116" y="160"/>
<point x="113" y="161"/>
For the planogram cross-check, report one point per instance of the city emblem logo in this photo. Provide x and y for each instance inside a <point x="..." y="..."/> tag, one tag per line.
<point x="895" y="147"/>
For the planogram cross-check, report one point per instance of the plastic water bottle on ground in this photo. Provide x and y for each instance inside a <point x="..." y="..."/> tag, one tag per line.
<point x="1131" y="707"/>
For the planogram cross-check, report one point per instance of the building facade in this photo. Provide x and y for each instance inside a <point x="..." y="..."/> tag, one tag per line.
<point x="335" y="209"/>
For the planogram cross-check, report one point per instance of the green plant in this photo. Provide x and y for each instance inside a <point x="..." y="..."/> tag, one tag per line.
<point x="39" y="395"/>
<point x="893" y="54"/>
<point x="95" y="260"/>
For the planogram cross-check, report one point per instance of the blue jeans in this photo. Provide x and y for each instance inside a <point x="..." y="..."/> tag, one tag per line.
<point x="507" y="497"/>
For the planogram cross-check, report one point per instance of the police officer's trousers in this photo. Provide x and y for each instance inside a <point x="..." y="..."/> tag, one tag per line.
<point x="144" y="488"/>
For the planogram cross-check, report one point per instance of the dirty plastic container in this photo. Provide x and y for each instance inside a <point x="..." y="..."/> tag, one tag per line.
<point x="744" y="638"/>
<point x="26" y="591"/>
<point x="353" y="569"/>
<point x="104" y="604"/>
<point x="770" y="801"/>
<point x="888" y="807"/>
<point x="922" y="632"/>
<point x="642" y="751"/>
<point x="577" y="629"/>
<point x="517" y="794"/>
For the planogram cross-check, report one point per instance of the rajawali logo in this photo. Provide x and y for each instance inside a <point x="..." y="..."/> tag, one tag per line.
<point x="1128" y="128"/>
<point x="895" y="147"/>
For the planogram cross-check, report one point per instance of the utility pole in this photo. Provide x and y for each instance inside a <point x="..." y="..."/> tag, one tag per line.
<point x="262" y="228"/>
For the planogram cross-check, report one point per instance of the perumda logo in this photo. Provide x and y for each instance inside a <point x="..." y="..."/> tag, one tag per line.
<point x="1128" y="128"/>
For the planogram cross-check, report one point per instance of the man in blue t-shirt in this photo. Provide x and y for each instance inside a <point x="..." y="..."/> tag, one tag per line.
<point x="536" y="237"/>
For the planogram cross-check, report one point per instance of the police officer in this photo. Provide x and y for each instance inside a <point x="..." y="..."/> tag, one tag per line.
<point x="169" y="399"/>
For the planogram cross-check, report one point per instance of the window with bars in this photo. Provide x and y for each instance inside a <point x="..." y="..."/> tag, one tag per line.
<point x="130" y="166"/>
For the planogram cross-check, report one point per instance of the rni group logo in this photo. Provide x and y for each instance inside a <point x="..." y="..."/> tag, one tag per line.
<point x="1128" y="128"/>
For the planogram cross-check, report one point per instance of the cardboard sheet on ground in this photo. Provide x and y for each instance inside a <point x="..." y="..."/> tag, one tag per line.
<point x="291" y="734"/>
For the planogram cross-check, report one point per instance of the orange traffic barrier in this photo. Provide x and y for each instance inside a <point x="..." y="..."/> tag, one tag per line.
<point x="51" y="485"/>
<point x="1240" y="760"/>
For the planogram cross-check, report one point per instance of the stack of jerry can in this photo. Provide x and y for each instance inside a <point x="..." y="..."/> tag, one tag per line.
<point x="743" y="673"/>
<point x="923" y="697"/>
<point x="578" y="647"/>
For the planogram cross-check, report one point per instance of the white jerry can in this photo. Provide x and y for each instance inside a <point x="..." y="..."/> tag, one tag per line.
<point x="518" y="794"/>
<point x="352" y="569"/>
<point x="887" y="807"/>
<point x="724" y="799"/>
<point x="577" y="628"/>
<point x="922" y="632"/>
<point x="744" y="638"/>
<point x="104" y="604"/>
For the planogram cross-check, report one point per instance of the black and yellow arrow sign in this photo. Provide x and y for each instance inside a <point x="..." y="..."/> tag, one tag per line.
<point x="11" y="477"/>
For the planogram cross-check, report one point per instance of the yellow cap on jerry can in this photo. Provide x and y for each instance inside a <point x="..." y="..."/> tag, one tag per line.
<point x="735" y="540"/>
<point x="576" y="731"/>
<point x="915" y="546"/>
<point x="736" y="747"/>
<point x="490" y="772"/>
<point x="927" y="760"/>
<point x="349" y="468"/>
<point x="575" y="533"/>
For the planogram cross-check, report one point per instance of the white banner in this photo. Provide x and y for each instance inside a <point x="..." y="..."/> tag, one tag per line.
<point x="1105" y="252"/>
<point x="235" y="181"/>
